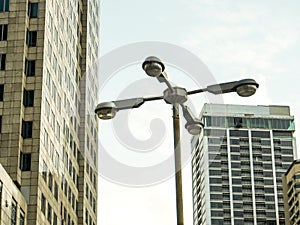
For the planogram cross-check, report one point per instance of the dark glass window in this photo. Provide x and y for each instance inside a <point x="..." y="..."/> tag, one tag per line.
<point x="27" y="129"/>
<point x="237" y="197"/>
<point x="217" y="221"/>
<point x="270" y="198"/>
<point x="1" y="92"/>
<point x="215" y="213"/>
<point x="0" y="123"/>
<point x="215" y="164"/>
<point x="216" y="188"/>
<point x="49" y="214"/>
<point x="238" y="213"/>
<point x="267" y="166"/>
<point x="234" y="141"/>
<point x="238" y="205"/>
<point x="236" y="181"/>
<point x="280" y="124"/>
<point x="235" y="165"/>
<point x="4" y="5"/>
<point x="44" y="171"/>
<point x="3" y="32"/>
<point x="216" y="205"/>
<point x="31" y="38"/>
<point x="215" y="132"/>
<point x="237" y="122"/>
<point x="25" y="163"/>
<point x="22" y="218"/>
<point x="50" y="181"/>
<point x="238" y="133"/>
<point x="55" y="191"/>
<point x="235" y="157"/>
<point x="211" y="156"/>
<point x="237" y="189"/>
<point x="13" y="218"/>
<point x="260" y="134"/>
<point x="215" y="121"/>
<point x="29" y="68"/>
<point x="282" y="134"/>
<point x="214" y="172"/>
<point x="1" y="187"/>
<point x="216" y="196"/>
<point x="54" y="218"/>
<point x="2" y="60"/>
<point x="269" y="190"/>
<point x="259" y="123"/>
<point x="213" y="148"/>
<point x="287" y="159"/>
<point x="28" y="98"/>
<point x="33" y="10"/>
<point x="236" y="173"/>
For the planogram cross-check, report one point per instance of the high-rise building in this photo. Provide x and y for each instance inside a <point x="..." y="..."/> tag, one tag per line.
<point x="13" y="206"/>
<point x="291" y="189"/>
<point x="48" y="84"/>
<point x="238" y="161"/>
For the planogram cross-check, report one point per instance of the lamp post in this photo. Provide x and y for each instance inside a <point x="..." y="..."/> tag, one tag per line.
<point x="177" y="96"/>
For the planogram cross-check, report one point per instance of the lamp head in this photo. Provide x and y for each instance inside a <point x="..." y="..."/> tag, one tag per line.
<point x="106" y="110"/>
<point x="246" y="87"/>
<point x="194" y="128"/>
<point x="153" y="66"/>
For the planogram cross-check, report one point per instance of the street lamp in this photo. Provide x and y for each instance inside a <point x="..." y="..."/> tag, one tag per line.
<point x="176" y="96"/>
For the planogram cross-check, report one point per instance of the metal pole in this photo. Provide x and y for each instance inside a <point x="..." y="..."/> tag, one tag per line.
<point x="177" y="152"/>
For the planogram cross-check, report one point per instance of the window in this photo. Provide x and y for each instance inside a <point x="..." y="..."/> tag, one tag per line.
<point x="86" y="191"/>
<point x="1" y="186"/>
<point x="31" y="38"/>
<point x="13" y="218"/>
<point x="1" y="92"/>
<point x="3" y="32"/>
<point x="29" y="68"/>
<point x="27" y="129"/>
<point x="4" y="5"/>
<point x="50" y="183"/>
<point x="54" y="218"/>
<point x="2" y="60"/>
<point x="55" y="191"/>
<point x="33" y="10"/>
<point x="44" y="171"/>
<point x="25" y="161"/>
<point x="22" y="218"/>
<point x="28" y="98"/>
<point x="49" y="214"/>
<point x="0" y="124"/>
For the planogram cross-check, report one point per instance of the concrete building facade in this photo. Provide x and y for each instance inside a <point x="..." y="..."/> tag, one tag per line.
<point x="291" y="189"/>
<point x="13" y="206"/>
<point x="237" y="164"/>
<point x="48" y="49"/>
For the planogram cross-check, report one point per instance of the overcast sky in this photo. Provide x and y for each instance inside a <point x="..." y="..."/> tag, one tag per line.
<point x="234" y="39"/>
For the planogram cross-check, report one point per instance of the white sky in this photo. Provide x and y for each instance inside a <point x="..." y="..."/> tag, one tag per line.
<point x="235" y="39"/>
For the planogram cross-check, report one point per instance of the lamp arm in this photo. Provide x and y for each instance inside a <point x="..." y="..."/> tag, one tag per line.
<point x="188" y="114"/>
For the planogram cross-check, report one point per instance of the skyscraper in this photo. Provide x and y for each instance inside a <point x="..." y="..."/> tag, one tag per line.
<point x="48" y="85"/>
<point x="237" y="164"/>
<point x="291" y="188"/>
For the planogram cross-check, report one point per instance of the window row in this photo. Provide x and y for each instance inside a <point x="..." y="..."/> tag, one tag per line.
<point x="66" y="217"/>
<point x="68" y="192"/>
<point x="28" y="96"/>
<point x="88" y="218"/>
<point x="89" y="196"/>
<point x="243" y="122"/>
<point x="92" y="173"/>
<point x="49" y="212"/>
<point x="49" y="180"/>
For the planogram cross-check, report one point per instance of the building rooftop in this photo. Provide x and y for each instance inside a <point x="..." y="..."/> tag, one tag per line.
<point x="275" y="111"/>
